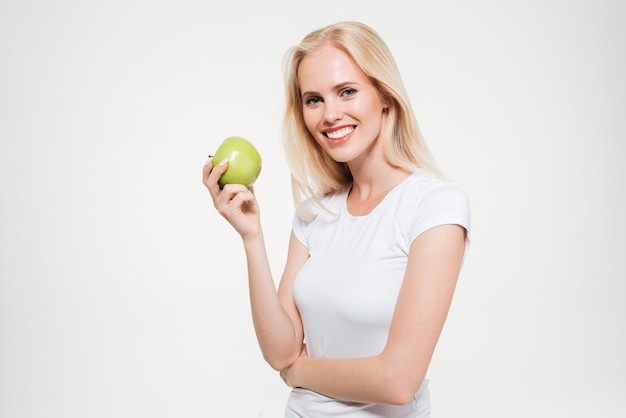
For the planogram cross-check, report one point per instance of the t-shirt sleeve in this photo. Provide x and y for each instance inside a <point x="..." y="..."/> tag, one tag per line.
<point x="299" y="228"/>
<point x="446" y="204"/>
<point x="303" y="227"/>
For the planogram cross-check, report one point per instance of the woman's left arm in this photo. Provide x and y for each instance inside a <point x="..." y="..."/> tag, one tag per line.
<point x="394" y="376"/>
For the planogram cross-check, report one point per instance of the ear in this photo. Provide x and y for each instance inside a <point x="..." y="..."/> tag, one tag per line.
<point x="385" y="104"/>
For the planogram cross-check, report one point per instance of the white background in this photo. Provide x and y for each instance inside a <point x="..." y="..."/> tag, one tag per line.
<point x="123" y="293"/>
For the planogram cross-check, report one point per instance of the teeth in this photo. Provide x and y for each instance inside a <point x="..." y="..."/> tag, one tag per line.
<point x="340" y="133"/>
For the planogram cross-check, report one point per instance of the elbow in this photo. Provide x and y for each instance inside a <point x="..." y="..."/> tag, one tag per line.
<point x="402" y="387"/>
<point x="279" y="363"/>
<point x="401" y="396"/>
<point x="280" y="354"/>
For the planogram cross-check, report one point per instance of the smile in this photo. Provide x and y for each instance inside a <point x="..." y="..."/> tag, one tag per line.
<point x="340" y="135"/>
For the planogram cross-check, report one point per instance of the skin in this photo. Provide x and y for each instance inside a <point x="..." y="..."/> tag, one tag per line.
<point x="338" y="96"/>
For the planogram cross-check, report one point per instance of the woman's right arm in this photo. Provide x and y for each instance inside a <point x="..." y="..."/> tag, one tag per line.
<point x="275" y="317"/>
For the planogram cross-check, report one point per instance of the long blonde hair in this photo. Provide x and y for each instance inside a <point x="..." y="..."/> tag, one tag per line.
<point x="314" y="174"/>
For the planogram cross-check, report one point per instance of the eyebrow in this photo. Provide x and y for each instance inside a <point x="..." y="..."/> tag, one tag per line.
<point x="339" y="86"/>
<point x="308" y="93"/>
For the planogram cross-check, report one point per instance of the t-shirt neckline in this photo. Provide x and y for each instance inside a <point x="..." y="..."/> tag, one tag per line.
<point x="344" y="200"/>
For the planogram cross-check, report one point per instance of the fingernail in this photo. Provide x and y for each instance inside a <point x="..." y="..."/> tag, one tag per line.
<point x="208" y="161"/>
<point x="223" y="162"/>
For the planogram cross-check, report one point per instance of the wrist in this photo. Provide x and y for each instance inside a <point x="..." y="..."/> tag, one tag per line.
<point x="254" y="243"/>
<point x="252" y="237"/>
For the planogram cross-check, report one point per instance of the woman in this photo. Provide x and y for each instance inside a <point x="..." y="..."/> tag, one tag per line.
<point x="377" y="243"/>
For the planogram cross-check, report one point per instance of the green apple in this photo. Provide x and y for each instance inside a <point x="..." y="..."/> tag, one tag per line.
<point x="244" y="161"/>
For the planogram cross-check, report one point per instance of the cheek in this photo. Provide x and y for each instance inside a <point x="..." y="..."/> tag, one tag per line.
<point x="310" y="121"/>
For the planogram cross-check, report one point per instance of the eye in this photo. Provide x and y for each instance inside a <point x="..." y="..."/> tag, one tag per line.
<point x="348" y="92"/>
<point x="313" y="100"/>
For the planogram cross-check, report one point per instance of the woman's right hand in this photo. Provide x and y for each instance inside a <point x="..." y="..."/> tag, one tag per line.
<point x="235" y="202"/>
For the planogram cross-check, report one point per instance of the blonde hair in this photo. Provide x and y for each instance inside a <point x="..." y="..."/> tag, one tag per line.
<point x="314" y="174"/>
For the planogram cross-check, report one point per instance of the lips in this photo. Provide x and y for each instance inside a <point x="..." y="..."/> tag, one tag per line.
<point x="339" y="136"/>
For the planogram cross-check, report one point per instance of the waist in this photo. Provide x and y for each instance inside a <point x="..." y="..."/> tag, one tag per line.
<point x="306" y="403"/>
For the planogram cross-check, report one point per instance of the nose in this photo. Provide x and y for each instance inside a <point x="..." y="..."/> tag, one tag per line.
<point x="332" y="112"/>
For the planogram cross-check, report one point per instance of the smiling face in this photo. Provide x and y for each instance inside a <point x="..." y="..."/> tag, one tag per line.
<point x="341" y="107"/>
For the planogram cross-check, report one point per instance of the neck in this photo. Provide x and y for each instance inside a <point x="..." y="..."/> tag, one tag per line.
<point x="377" y="181"/>
<point x="373" y="175"/>
<point x="369" y="187"/>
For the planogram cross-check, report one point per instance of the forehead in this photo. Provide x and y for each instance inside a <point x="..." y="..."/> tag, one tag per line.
<point x="328" y="66"/>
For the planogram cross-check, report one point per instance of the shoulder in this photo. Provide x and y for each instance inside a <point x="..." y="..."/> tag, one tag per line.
<point x="321" y="208"/>
<point x="423" y="186"/>
<point x="428" y="201"/>
<point x="316" y="212"/>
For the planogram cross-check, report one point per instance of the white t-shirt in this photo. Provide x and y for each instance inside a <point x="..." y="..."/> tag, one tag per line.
<point x="346" y="292"/>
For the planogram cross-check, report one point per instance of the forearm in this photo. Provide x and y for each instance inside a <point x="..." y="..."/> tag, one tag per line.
<point x="274" y="328"/>
<point x="368" y="380"/>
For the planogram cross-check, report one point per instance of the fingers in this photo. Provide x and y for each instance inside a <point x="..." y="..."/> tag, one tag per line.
<point x="210" y="177"/>
<point x="234" y="196"/>
<point x="211" y="174"/>
<point x="206" y="170"/>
